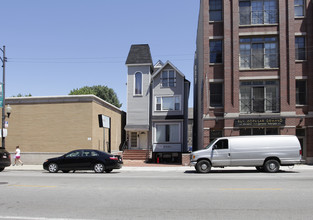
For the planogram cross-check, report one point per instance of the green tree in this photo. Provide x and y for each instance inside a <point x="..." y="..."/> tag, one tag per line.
<point x="103" y="92"/>
<point x="21" y="95"/>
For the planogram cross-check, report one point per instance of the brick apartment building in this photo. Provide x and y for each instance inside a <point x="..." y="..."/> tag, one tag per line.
<point x="253" y="70"/>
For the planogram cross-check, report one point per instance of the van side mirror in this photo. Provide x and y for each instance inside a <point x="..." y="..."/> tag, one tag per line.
<point x="214" y="147"/>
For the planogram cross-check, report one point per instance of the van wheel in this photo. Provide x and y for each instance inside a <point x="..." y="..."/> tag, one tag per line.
<point x="271" y="166"/>
<point x="203" y="166"/>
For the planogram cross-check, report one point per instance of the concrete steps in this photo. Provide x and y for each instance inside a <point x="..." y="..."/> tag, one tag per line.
<point x="135" y="154"/>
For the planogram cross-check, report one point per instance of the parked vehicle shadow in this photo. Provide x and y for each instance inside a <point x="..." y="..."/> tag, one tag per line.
<point x="82" y="172"/>
<point x="237" y="171"/>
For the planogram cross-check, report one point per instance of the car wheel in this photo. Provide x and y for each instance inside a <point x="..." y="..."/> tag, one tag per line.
<point x="53" y="168"/>
<point x="260" y="168"/>
<point x="108" y="170"/>
<point x="65" y="171"/>
<point x="1" y="169"/>
<point x="98" y="168"/>
<point x="271" y="166"/>
<point x="203" y="166"/>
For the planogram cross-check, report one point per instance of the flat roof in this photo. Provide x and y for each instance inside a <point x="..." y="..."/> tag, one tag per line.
<point x="60" y="99"/>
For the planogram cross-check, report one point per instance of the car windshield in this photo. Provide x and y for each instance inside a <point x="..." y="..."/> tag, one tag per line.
<point x="210" y="144"/>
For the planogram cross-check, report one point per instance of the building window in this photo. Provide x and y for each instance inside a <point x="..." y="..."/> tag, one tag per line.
<point x="299" y="8"/>
<point x="215" y="10"/>
<point x="138" y="83"/>
<point x="168" y="78"/>
<point x="216" y="94"/>
<point x="259" y="96"/>
<point x="168" y="103"/>
<point x="301" y="92"/>
<point x="215" y="134"/>
<point x="133" y="139"/>
<point x="258" y="12"/>
<point x="167" y="133"/>
<point x="300" y="48"/>
<point x="258" y="131"/>
<point x="258" y="52"/>
<point x="216" y="51"/>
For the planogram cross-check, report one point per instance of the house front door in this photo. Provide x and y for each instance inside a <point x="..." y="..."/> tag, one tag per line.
<point x="143" y="140"/>
<point x="138" y="140"/>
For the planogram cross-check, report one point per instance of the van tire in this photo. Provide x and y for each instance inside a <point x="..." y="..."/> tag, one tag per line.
<point x="203" y="166"/>
<point x="271" y="166"/>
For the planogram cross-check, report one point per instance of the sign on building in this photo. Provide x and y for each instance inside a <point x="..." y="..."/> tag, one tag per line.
<point x="104" y="121"/>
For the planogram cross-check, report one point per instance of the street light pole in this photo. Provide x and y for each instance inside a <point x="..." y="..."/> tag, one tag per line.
<point x="3" y="59"/>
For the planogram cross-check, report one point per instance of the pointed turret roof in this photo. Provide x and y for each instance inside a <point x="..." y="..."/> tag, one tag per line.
<point x="139" y="54"/>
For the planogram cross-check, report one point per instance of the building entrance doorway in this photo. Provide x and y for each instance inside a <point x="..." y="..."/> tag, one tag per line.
<point x="138" y="140"/>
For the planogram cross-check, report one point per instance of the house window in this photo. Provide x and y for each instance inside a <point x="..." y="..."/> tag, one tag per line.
<point x="300" y="48"/>
<point x="216" y="51"/>
<point x="168" y="78"/>
<point x="216" y="94"/>
<point x="138" y="83"/>
<point x="301" y="92"/>
<point x="259" y="96"/>
<point x="258" y="52"/>
<point x="215" y="10"/>
<point x="258" y="12"/>
<point x="167" y="133"/>
<point x="299" y="8"/>
<point x="168" y="103"/>
<point x="133" y="139"/>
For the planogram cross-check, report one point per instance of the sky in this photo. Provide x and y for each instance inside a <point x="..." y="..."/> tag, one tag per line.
<point x="54" y="46"/>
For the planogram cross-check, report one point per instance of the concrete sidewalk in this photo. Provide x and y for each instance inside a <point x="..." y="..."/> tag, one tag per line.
<point x="141" y="166"/>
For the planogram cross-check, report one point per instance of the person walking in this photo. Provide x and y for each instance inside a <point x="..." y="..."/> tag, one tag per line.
<point x="18" y="156"/>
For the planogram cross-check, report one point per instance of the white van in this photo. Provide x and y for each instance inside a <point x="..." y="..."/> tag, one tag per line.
<point x="266" y="153"/>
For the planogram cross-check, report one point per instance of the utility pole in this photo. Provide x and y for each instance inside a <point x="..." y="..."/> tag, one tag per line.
<point x="3" y="59"/>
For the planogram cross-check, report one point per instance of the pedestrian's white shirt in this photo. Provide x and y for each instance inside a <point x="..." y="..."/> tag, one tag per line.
<point x="18" y="152"/>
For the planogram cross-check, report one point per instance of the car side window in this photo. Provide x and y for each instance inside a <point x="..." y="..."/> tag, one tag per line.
<point x="86" y="153"/>
<point x="94" y="154"/>
<point x="221" y="144"/>
<point x="74" y="154"/>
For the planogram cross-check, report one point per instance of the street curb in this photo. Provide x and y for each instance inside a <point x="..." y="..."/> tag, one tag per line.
<point x="158" y="168"/>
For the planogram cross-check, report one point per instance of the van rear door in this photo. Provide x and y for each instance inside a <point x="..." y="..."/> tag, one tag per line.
<point x="220" y="155"/>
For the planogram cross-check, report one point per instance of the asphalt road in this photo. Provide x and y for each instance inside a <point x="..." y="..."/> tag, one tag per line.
<point x="222" y="194"/>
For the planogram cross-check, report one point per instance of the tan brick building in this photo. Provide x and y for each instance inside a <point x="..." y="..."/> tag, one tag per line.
<point x="253" y="70"/>
<point x="48" y="126"/>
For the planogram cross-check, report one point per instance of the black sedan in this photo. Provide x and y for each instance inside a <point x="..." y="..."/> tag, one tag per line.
<point x="5" y="159"/>
<point x="98" y="161"/>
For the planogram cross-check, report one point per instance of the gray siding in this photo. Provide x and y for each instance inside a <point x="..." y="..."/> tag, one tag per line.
<point x="170" y="91"/>
<point x="138" y="106"/>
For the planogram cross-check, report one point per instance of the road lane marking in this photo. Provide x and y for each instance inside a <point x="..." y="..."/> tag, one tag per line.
<point x="36" y="218"/>
<point x="253" y="189"/>
<point x="33" y="186"/>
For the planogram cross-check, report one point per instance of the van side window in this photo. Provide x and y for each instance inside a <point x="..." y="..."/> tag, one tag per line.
<point x="221" y="144"/>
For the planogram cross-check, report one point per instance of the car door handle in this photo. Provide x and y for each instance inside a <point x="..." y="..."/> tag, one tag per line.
<point x="228" y="154"/>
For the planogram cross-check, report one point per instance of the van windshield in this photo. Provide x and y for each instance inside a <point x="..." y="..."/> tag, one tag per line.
<point x="210" y="144"/>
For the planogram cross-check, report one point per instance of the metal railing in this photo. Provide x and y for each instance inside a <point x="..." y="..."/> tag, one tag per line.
<point x="259" y="105"/>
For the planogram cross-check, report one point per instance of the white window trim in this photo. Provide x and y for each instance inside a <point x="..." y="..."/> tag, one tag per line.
<point x="155" y="106"/>
<point x="134" y="84"/>
<point x="164" y="123"/>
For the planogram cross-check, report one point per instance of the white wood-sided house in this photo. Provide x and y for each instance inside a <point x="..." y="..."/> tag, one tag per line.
<point x="157" y="106"/>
